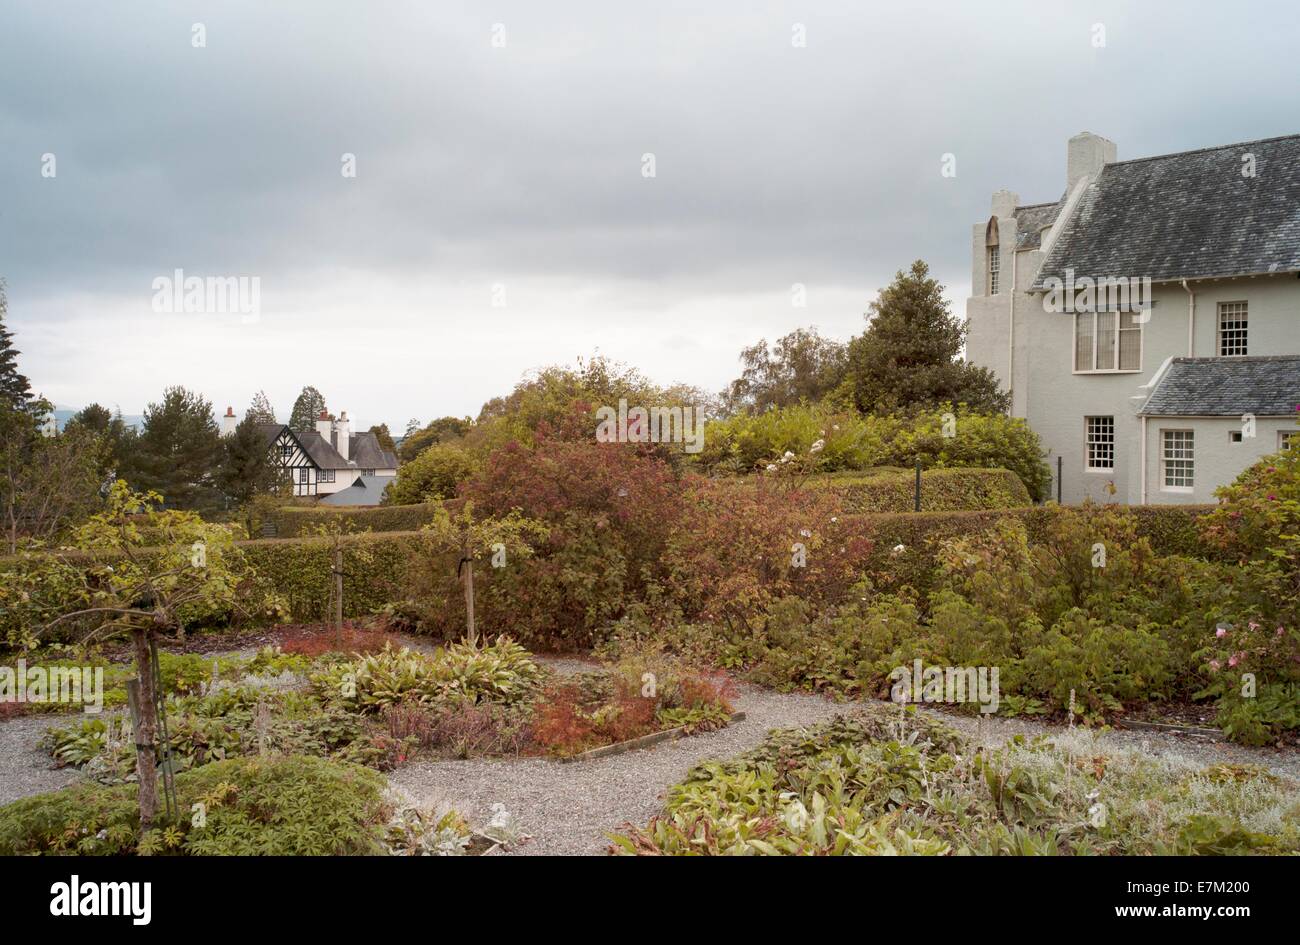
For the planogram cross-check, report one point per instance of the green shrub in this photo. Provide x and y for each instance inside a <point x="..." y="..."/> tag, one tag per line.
<point x="944" y="438"/>
<point x="274" y="806"/>
<point x="432" y="475"/>
<point x="501" y="673"/>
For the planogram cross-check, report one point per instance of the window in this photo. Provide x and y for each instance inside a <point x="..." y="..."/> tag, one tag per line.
<point x="1235" y="436"/>
<point x="1177" y="459"/>
<point x="1107" y="341"/>
<point x="304" y="474"/>
<point x="995" y="268"/>
<point x="286" y="450"/>
<point x="325" y="475"/>
<point x="1286" y="437"/>
<point x="1232" y="329"/>
<point x="1101" y="443"/>
<point x="367" y="472"/>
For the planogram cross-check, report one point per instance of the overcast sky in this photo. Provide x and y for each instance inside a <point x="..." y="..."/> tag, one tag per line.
<point x="514" y="173"/>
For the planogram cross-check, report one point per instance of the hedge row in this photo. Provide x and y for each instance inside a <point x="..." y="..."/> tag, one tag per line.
<point x="942" y="490"/>
<point x="888" y="490"/>
<point x="383" y="568"/>
<point x="294" y="522"/>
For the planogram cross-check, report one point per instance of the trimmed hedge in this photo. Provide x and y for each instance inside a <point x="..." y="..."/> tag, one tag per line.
<point x="405" y="563"/>
<point x="291" y="522"/>
<point x="942" y="490"/>
<point x="383" y="568"/>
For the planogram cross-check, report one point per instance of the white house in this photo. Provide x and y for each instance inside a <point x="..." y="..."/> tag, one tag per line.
<point x="329" y="459"/>
<point x="1147" y="323"/>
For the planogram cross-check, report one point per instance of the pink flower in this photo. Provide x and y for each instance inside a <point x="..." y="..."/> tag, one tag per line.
<point x="1280" y="631"/>
<point x="1214" y="665"/>
<point x="1232" y="660"/>
<point x="1221" y="632"/>
<point x="1253" y="625"/>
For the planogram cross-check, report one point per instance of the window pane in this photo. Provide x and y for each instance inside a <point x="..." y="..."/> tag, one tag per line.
<point x="1105" y="341"/>
<point x="1130" y="342"/>
<point x="1232" y="329"/>
<point x="1178" y="459"/>
<point x="1083" y="341"/>
<point x="1100" y="434"/>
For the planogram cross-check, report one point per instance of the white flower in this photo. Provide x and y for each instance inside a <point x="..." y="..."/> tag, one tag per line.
<point x="1097" y="815"/>
<point x="771" y="467"/>
<point x="817" y="447"/>
<point x="898" y="549"/>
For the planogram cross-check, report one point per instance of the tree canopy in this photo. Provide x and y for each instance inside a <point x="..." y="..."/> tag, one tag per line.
<point x="910" y="355"/>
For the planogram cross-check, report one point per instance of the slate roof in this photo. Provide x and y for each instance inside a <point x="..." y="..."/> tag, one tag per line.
<point x="322" y="453"/>
<point x="366" y="452"/>
<point x="1227" y="387"/>
<point x="1187" y="215"/>
<point x="1031" y="219"/>
<point x="366" y="490"/>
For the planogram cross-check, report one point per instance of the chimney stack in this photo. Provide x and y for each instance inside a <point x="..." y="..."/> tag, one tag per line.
<point x="229" y="422"/>
<point x="343" y="432"/>
<point x="324" y="425"/>
<point x="1086" y="154"/>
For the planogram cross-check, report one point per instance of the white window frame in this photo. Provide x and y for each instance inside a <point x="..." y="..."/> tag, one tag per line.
<point x="1239" y="315"/>
<point x="1285" y="439"/>
<point x="1165" y="459"/>
<point x="1098" y="439"/>
<point x="1236" y="436"/>
<point x="1115" y="334"/>
<point x="995" y="269"/>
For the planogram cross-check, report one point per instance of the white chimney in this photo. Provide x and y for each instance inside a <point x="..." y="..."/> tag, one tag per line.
<point x="229" y="422"/>
<point x="343" y="431"/>
<point x="1086" y="153"/>
<point x="324" y="425"/>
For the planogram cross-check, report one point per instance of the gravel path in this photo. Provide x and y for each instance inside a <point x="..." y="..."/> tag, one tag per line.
<point x="24" y="768"/>
<point x="568" y="808"/>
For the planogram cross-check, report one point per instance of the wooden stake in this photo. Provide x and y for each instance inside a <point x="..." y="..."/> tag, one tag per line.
<point x="471" y="633"/>
<point x="338" y="589"/>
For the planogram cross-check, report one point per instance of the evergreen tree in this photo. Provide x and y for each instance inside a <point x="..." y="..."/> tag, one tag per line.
<point x="111" y="430"/>
<point x="245" y="469"/>
<point x="179" y="451"/>
<point x="910" y="354"/>
<point x="14" y="387"/>
<point x="306" y="409"/>
<point x="260" y="410"/>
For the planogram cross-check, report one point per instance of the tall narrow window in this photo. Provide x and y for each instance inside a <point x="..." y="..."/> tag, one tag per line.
<point x="1178" y="459"/>
<point x="995" y="268"/>
<point x="1287" y="439"/>
<point x="1232" y="329"/>
<point x="1100" y="433"/>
